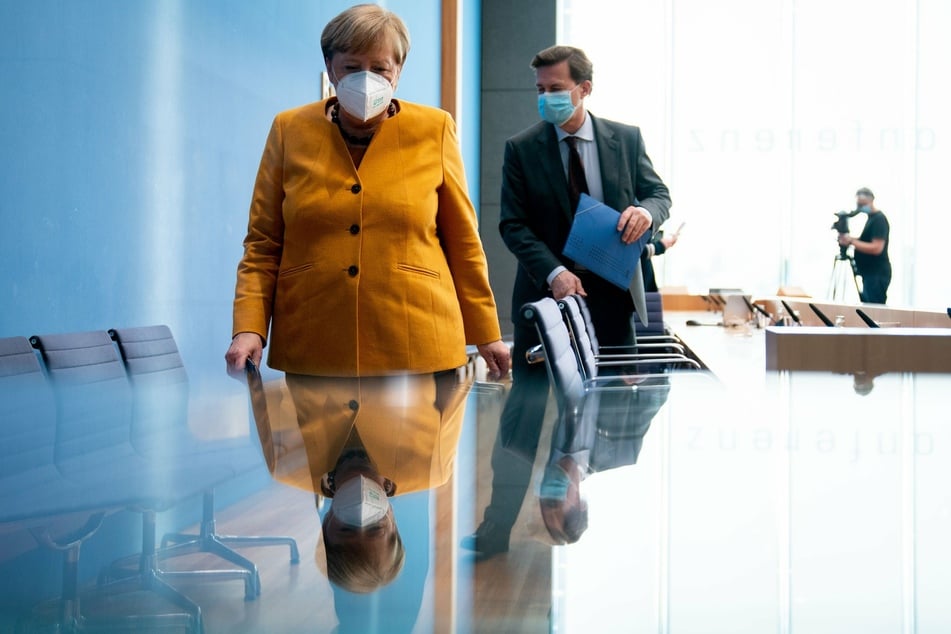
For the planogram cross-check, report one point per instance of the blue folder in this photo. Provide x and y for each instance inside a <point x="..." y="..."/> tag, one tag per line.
<point x="595" y="243"/>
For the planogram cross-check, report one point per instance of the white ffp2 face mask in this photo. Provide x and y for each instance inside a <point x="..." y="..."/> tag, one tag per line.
<point x="365" y="94"/>
<point x="360" y="502"/>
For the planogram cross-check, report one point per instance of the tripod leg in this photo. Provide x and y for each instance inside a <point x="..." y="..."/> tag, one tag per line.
<point x="832" y="281"/>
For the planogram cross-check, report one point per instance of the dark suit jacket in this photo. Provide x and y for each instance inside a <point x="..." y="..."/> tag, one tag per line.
<point x="535" y="217"/>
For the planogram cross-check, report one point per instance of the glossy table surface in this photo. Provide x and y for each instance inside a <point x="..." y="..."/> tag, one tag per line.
<point x="745" y="502"/>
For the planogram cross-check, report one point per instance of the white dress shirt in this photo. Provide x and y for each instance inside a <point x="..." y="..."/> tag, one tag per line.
<point x="588" y="150"/>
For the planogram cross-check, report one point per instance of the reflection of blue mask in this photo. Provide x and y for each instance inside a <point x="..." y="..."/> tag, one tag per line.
<point x="865" y="209"/>
<point x="556" y="107"/>
<point x="555" y="484"/>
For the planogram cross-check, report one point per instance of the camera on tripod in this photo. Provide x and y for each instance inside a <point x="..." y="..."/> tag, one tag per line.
<point x="841" y="225"/>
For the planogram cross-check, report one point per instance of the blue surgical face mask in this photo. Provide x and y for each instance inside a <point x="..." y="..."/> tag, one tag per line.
<point x="865" y="209"/>
<point x="556" y="107"/>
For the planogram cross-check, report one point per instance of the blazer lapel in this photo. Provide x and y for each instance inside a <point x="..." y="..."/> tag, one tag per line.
<point x="554" y="171"/>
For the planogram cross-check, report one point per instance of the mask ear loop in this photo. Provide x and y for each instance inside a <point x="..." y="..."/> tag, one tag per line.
<point x="328" y="487"/>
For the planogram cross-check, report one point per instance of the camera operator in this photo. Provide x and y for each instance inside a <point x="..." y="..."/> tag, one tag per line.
<point x="871" y="249"/>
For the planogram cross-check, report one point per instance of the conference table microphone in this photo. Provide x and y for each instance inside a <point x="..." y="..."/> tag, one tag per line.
<point x="822" y="316"/>
<point x="871" y="323"/>
<point x="791" y="312"/>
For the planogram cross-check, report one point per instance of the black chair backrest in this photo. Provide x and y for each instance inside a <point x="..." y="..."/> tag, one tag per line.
<point x="27" y="413"/>
<point x="159" y="386"/>
<point x="580" y="335"/>
<point x="560" y="359"/>
<point x="588" y="322"/>
<point x="655" y="317"/>
<point x="93" y="398"/>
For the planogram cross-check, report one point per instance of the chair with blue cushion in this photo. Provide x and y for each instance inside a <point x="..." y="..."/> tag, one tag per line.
<point x="34" y="495"/>
<point x="160" y="428"/>
<point x="94" y="452"/>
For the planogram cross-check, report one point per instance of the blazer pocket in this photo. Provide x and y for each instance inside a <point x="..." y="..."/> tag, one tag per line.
<point x="300" y="268"/>
<point x="418" y="270"/>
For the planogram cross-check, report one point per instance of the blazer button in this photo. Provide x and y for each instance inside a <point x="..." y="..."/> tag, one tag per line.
<point x="356" y="188"/>
<point x="353" y="270"/>
<point x="354" y="229"/>
<point x="354" y="405"/>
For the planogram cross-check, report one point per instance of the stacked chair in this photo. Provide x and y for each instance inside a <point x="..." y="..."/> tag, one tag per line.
<point x="656" y="354"/>
<point x="590" y="403"/>
<point x="601" y="419"/>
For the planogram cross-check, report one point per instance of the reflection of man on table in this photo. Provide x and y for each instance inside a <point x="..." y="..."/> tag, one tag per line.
<point x="545" y="170"/>
<point x="587" y="444"/>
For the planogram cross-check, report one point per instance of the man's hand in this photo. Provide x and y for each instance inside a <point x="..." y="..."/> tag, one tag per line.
<point x="844" y="239"/>
<point x="669" y="241"/>
<point x="497" y="359"/>
<point x="633" y="223"/>
<point x="566" y="283"/>
<point x="244" y="346"/>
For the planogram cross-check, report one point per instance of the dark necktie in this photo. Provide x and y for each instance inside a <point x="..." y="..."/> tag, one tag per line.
<point x="577" y="184"/>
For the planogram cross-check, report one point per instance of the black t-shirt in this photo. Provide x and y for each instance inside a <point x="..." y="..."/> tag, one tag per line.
<point x="876" y="227"/>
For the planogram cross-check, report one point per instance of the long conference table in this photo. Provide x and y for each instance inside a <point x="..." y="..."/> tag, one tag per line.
<point x="789" y="500"/>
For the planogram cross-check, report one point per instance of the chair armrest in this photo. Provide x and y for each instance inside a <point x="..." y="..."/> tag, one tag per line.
<point x="535" y="354"/>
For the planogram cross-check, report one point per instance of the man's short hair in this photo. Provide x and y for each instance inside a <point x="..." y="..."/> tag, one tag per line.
<point x="579" y="65"/>
<point x="865" y="191"/>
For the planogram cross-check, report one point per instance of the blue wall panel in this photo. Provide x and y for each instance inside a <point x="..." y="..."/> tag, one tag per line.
<point x="130" y="134"/>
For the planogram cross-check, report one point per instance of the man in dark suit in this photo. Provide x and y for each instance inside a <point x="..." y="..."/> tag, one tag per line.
<point x="546" y="168"/>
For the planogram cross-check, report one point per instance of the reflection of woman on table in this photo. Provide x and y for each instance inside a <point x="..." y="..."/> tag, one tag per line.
<point x="362" y="255"/>
<point x="359" y="441"/>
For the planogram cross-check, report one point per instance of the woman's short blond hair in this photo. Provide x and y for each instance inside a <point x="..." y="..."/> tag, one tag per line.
<point x="362" y="28"/>
<point x="358" y="569"/>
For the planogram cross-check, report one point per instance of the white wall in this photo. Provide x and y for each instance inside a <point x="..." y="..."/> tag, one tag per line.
<point x="765" y="116"/>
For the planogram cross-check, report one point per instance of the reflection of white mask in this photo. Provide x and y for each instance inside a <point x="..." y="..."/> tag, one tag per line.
<point x="364" y="95"/>
<point x="360" y="502"/>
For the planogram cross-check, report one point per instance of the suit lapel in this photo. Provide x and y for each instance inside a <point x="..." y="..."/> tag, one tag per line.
<point x="609" y="158"/>
<point x="551" y="165"/>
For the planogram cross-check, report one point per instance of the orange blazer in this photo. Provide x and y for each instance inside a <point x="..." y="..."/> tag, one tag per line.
<point x="369" y="271"/>
<point x="409" y="426"/>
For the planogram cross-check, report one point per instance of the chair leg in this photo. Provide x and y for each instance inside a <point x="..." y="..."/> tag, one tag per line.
<point x="208" y="541"/>
<point x="148" y="579"/>
<point x="69" y="614"/>
<point x="208" y="534"/>
<point x="248" y="573"/>
<point x="64" y="614"/>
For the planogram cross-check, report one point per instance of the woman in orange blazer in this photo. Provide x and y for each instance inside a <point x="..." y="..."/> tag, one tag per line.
<point x="362" y="255"/>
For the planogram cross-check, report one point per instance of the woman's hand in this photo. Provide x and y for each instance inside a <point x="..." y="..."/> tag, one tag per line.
<point x="497" y="359"/>
<point x="244" y="346"/>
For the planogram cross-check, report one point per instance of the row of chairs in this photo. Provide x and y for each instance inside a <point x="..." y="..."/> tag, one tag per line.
<point x="94" y="423"/>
